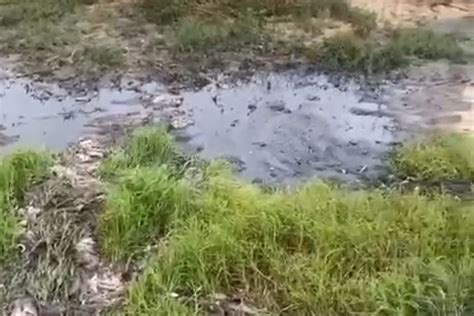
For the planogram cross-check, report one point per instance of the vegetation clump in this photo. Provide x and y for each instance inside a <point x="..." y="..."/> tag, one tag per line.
<point x="354" y="53"/>
<point x="314" y="249"/>
<point x="442" y="158"/>
<point x="201" y="25"/>
<point x="17" y="172"/>
<point x="94" y="36"/>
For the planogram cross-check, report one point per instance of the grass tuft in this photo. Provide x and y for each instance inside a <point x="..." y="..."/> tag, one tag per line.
<point x="32" y="11"/>
<point x="226" y="24"/>
<point x="442" y="158"/>
<point x="17" y="172"/>
<point x="200" y="35"/>
<point x="104" y="56"/>
<point x="425" y="44"/>
<point x="146" y="147"/>
<point x="355" y="53"/>
<point x="349" y="52"/>
<point x="142" y="206"/>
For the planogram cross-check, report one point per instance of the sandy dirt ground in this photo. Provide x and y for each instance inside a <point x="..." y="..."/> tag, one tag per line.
<point x="417" y="11"/>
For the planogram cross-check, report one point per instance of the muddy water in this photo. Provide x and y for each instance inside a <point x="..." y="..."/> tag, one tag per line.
<point x="281" y="127"/>
<point x="275" y="128"/>
<point x="35" y="115"/>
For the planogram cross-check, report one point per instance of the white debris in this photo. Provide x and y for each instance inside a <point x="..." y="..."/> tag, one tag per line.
<point x="168" y="100"/>
<point x="86" y="253"/>
<point x="24" y="307"/>
<point x="181" y="122"/>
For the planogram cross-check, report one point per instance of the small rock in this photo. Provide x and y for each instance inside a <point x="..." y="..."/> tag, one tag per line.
<point x="251" y="108"/>
<point x="83" y="99"/>
<point x="279" y="106"/>
<point x="312" y="98"/>
<point x="260" y="144"/>
<point x="168" y="100"/>
<point x="353" y="143"/>
<point x="365" y="112"/>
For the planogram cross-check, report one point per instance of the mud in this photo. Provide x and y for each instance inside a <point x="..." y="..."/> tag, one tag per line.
<point x="38" y="115"/>
<point x="434" y="97"/>
<point x="274" y="128"/>
<point x="279" y="127"/>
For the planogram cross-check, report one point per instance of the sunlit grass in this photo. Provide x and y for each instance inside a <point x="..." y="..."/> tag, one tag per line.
<point x="146" y="147"/>
<point x="314" y="249"/>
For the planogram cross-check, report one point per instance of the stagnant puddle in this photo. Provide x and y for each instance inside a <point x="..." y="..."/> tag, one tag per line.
<point x="274" y="128"/>
<point x="44" y="116"/>
<point x="280" y="127"/>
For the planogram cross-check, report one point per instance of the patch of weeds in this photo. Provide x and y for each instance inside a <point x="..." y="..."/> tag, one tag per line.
<point x="17" y="172"/>
<point x="315" y="250"/>
<point x="143" y="205"/>
<point x="363" y="22"/>
<point x="152" y="188"/>
<point x="349" y="52"/>
<point x="31" y="11"/>
<point x="426" y="44"/>
<point x="50" y="34"/>
<point x="439" y="159"/>
<point x="104" y="56"/>
<point x="355" y="53"/>
<point x="165" y="11"/>
<point x="146" y="147"/>
<point x="228" y="23"/>
<point x="195" y="34"/>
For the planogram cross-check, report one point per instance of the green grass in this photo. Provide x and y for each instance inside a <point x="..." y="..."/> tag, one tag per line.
<point x="17" y="172"/>
<point x="55" y="33"/>
<point x="225" y="24"/>
<point x="311" y="250"/>
<point x="200" y="35"/>
<point x="355" y="53"/>
<point x="442" y="158"/>
<point x="426" y="44"/>
<point x="352" y="53"/>
<point x="142" y="206"/>
<point x="102" y="55"/>
<point x="317" y="250"/>
<point x="146" y="148"/>
<point x="31" y="11"/>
